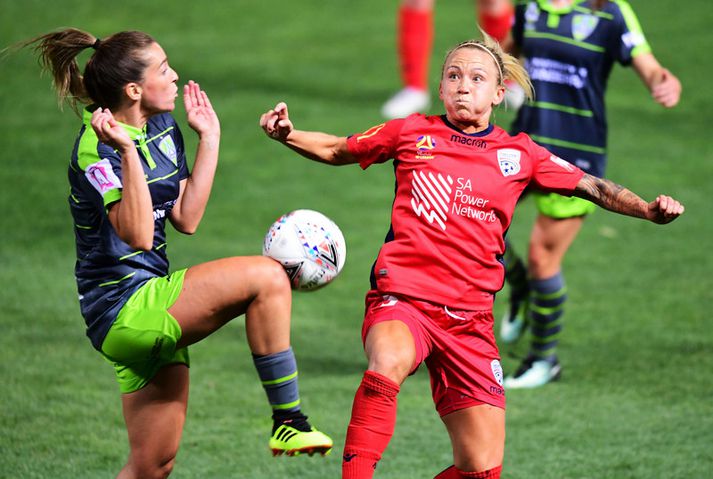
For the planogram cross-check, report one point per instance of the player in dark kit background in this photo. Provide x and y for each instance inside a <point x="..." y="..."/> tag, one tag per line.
<point x="569" y="49"/>
<point x="458" y="179"/>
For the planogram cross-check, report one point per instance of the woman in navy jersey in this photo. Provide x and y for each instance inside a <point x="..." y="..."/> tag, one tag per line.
<point x="569" y="49"/>
<point x="128" y="175"/>
<point x="458" y="179"/>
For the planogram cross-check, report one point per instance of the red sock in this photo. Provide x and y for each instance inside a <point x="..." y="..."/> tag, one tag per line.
<point x="415" y="42"/>
<point x="371" y="426"/>
<point x="497" y="25"/>
<point x="453" y="473"/>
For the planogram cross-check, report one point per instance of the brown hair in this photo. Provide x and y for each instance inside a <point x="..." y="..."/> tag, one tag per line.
<point x="509" y="68"/>
<point x="116" y="61"/>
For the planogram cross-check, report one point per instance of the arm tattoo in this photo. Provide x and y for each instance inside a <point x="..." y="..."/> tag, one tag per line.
<point x="611" y="196"/>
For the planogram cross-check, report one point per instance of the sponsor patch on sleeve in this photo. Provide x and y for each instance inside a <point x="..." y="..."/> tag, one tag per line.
<point x="102" y="176"/>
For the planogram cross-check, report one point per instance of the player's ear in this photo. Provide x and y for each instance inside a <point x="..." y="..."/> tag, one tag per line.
<point x="133" y="91"/>
<point x="440" y="90"/>
<point x="499" y="95"/>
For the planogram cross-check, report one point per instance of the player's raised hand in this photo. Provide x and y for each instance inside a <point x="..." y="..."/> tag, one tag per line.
<point x="199" y="111"/>
<point x="664" y="209"/>
<point x="276" y="122"/>
<point x="109" y="131"/>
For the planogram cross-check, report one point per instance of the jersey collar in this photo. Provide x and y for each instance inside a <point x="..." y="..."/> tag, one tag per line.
<point x="136" y="134"/>
<point x="450" y="125"/>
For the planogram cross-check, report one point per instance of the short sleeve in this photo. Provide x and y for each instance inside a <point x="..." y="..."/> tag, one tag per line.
<point x="551" y="173"/>
<point x="377" y="144"/>
<point x="102" y="169"/>
<point x="631" y="41"/>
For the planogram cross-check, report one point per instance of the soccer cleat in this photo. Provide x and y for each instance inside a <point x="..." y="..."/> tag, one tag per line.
<point x="514" y="321"/>
<point x="405" y="102"/>
<point x="534" y="372"/>
<point x="292" y="441"/>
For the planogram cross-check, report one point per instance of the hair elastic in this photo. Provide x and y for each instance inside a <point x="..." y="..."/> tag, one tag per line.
<point x="95" y="45"/>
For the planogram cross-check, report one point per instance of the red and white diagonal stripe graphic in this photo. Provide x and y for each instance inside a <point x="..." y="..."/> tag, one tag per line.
<point x="431" y="196"/>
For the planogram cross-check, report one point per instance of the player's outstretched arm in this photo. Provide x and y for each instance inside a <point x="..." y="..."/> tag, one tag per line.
<point x="314" y="145"/>
<point x="618" y="199"/>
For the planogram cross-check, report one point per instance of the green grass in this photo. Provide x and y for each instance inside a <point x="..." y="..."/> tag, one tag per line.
<point x="635" y="399"/>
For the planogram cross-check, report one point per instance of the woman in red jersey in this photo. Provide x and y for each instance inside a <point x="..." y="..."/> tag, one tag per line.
<point x="458" y="178"/>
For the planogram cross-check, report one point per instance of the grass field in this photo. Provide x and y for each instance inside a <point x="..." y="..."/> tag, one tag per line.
<point x="636" y="399"/>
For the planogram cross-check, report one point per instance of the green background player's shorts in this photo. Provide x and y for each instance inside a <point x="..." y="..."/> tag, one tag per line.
<point x="143" y="338"/>
<point x="561" y="207"/>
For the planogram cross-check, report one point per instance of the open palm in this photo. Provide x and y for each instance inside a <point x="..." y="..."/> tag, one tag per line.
<point x="199" y="111"/>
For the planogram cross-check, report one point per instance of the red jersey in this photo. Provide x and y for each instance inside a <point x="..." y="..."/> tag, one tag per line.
<point x="455" y="197"/>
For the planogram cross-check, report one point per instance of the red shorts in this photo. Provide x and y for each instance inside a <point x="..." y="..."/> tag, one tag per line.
<point x="457" y="346"/>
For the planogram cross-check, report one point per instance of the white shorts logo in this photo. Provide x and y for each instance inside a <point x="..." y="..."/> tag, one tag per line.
<point x="497" y="371"/>
<point x="509" y="161"/>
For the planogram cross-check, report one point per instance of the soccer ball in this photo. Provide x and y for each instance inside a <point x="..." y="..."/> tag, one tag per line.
<point x="309" y="246"/>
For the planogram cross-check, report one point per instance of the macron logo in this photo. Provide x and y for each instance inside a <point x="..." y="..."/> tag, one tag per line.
<point x="431" y="196"/>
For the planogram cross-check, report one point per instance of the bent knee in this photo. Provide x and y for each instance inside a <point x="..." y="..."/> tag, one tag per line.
<point x="271" y="274"/>
<point x="152" y="469"/>
<point x="392" y="364"/>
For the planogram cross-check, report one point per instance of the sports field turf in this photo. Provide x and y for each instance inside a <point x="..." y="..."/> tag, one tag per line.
<point x="636" y="398"/>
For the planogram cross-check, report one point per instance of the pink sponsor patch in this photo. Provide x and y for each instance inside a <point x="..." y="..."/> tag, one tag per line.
<point x="102" y="176"/>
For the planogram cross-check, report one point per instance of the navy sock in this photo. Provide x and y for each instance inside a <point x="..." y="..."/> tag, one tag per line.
<point x="547" y="298"/>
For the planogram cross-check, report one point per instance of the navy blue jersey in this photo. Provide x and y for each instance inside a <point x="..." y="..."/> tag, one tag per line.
<point x="569" y="54"/>
<point x="109" y="271"/>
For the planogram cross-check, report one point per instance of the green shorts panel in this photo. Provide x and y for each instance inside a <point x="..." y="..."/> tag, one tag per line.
<point x="560" y="207"/>
<point x="143" y="338"/>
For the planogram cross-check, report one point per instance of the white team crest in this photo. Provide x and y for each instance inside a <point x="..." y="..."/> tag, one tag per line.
<point x="583" y="26"/>
<point x="509" y="161"/>
<point x="168" y="148"/>
<point x="564" y="164"/>
<point x="497" y="371"/>
<point x="431" y="196"/>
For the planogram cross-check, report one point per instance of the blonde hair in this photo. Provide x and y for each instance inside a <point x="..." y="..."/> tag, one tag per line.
<point x="509" y="68"/>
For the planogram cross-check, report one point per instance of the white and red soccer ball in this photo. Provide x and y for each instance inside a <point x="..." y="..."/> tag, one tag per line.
<point x="309" y="246"/>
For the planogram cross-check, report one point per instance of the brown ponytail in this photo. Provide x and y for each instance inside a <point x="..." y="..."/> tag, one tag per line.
<point x="116" y="61"/>
<point x="57" y="54"/>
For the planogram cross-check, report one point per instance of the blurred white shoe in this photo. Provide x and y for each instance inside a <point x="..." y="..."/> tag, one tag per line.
<point x="514" y="95"/>
<point x="513" y="323"/>
<point x="533" y="373"/>
<point x="405" y="102"/>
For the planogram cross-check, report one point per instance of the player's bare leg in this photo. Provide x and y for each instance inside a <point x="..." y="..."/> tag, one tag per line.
<point x="478" y="437"/>
<point x="218" y="291"/>
<point x="550" y="240"/>
<point x="154" y="417"/>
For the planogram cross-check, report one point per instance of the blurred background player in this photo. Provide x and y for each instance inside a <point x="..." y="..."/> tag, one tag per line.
<point x="458" y="179"/>
<point x="569" y="48"/>
<point x="128" y="175"/>
<point x="415" y="45"/>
